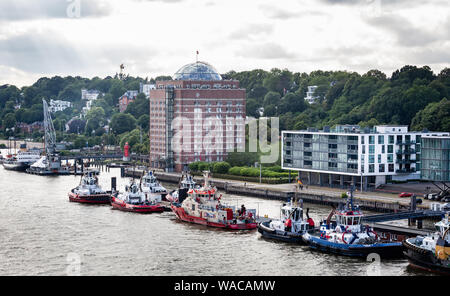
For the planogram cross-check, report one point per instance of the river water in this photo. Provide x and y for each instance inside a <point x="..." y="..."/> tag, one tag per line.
<point x="42" y="233"/>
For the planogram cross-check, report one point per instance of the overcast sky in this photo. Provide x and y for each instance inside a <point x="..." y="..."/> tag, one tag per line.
<point x="156" y="37"/>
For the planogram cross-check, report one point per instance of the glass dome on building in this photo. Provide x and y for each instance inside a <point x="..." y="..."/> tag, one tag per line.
<point x="197" y="71"/>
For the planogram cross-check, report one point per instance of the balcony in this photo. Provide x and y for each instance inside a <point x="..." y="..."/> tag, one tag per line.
<point x="352" y="160"/>
<point x="405" y="171"/>
<point x="407" y="152"/>
<point x="405" y="161"/>
<point x="406" y="142"/>
<point x="352" y="151"/>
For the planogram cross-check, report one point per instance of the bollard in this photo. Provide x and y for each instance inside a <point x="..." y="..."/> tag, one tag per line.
<point x="113" y="184"/>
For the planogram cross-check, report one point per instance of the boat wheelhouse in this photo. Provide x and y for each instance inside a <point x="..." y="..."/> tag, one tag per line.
<point x="150" y="185"/>
<point x="187" y="183"/>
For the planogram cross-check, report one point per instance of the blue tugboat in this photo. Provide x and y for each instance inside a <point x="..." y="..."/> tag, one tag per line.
<point x="290" y="228"/>
<point x="347" y="236"/>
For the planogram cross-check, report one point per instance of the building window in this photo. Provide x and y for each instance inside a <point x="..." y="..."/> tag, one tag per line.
<point x="390" y="158"/>
<point x="372" y="140"/>
<point x="381" y="168"/>
<point x="362" y="140"/>
<point x="391" y="167"/>
<point x="391" y="139"/>
<point x="379" y="158"/>
<point x="380" y="139"/>
<point x="371" y="168"/>
<point x="390" y="148"/>
<point x="371" y="158"/>
<point x="371" y="149"/>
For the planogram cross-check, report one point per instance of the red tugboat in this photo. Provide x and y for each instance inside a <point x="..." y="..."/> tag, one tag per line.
<point x="89" y="191"/>
<point x="202" y="206"/>
<point x="135" y="200"/>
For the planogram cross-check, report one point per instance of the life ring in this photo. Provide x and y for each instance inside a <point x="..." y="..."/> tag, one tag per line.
<point x="343" y="235"/>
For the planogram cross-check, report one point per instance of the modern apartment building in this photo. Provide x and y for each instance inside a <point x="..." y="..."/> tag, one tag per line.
<point x="200" y="96"/>
<point x="435" y="158"/>
<point x="346" y="154"/>
<point x="57" y="105"/>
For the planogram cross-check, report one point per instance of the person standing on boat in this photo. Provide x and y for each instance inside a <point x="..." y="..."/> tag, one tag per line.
<point x="288" y="224"/>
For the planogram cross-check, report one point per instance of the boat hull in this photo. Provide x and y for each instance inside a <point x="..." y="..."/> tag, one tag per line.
<point x="19" y="167"/>
<point x="90" y="199"/>
<point x="284" y="236"/>
<point x="183" y="216"/>
<point x="424" y="259"/>
<point x="385" y="250"/>
<point x="143" y="209"/>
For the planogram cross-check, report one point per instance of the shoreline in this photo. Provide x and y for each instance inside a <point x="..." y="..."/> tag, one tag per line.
<point x="18" y="142"/>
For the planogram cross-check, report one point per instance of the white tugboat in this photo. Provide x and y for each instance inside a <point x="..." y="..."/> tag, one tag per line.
<point x="186" y="183"/>
<point x="203" y="206"/>
<point x="432" y="252"/>
<point x="151" y="186"/>
<point x="133" y="199"/>
<point x="89" y="191"/>
<point x="291" y="227"/>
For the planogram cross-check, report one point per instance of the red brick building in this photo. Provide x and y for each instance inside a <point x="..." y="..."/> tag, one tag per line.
<point x="126" y="99"/>
<point x="214" y="118"/>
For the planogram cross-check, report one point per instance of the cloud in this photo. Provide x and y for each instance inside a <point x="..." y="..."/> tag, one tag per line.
<point x="51" y="52"/>
<point x="265" y="51"/>
<point x="18" y="10"/>
<point x="251" y="30"/>
<point x="284" y="14"/>
<point x="406" y="33"/>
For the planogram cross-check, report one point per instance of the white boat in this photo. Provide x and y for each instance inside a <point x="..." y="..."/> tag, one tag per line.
<point x="186" y="183"/>
<point x="151" y="186"/>
<point x="22" y="160"/>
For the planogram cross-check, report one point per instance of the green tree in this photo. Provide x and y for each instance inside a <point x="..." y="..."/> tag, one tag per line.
<point x="122" y="122"/>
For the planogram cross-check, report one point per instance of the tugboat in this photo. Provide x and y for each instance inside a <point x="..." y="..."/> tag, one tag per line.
<point x="135" y="200"/>
<point x="291" y="227"/>
<point x="347" y="236"/>
<point x="187" y="182"/>
<point x="151" y="186"/>
<point x="89" y="191"/>
<point x="203" y="206"/>
<point x="431" y="252"/>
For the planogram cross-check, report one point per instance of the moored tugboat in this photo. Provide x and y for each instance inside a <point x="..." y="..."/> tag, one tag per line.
<point x="432" y="252"/>
<point x="291" y="227"/>
<point x="151" y="186"/>
<point x="89" y="191"/>
<point x="186" y="183"/>
<point x="347" y="236"/>
<point x="202" y="206"/>
<point x="135" y="200"/>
